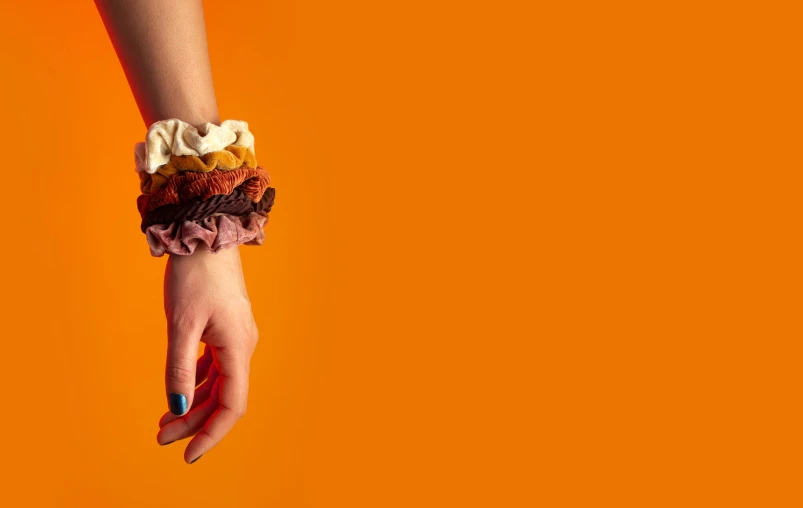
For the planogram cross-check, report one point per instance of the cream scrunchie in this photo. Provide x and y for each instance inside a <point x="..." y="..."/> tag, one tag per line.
<point x="174" y="137"/>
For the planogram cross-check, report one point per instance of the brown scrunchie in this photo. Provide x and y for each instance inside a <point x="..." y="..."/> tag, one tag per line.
<point x="236" y="203"/>
<point x="188" y="185"/>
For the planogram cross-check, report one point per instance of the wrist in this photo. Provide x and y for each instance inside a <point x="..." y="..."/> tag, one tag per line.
<point x="204" y="255"/>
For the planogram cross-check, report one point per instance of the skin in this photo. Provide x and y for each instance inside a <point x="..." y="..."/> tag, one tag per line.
<point x="163" y="50"/>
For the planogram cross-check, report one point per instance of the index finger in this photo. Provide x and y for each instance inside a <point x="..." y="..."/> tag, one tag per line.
<point x="233" y="369"/>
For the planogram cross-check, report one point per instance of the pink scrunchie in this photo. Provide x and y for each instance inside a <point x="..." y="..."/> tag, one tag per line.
<point x="216" y="232"/>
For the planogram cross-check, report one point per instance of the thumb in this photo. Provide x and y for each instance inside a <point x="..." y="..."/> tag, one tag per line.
<point x="182" y="353"/>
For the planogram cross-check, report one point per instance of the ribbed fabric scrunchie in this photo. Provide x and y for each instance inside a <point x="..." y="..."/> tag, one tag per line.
<point x="189" y="185"/>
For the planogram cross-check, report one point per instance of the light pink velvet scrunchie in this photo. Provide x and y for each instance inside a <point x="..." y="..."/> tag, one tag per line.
<point x="216" y="232"/>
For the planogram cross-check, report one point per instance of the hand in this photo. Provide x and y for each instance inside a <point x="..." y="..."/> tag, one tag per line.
<point x="206" y="301"/>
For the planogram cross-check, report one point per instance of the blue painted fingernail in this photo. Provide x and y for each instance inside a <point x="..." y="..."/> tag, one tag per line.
<point x="178" y="404"/>
<point x="196" y="458"/>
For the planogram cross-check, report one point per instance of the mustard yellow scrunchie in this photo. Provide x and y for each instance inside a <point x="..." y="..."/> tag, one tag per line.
<point x="232" y="157"/>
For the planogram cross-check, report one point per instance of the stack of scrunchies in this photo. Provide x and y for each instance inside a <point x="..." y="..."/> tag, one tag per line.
<point x="201" y="186"/>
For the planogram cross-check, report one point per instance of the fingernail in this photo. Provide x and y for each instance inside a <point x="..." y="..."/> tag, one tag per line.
<point x="196" y="458"/>
<point x="178" y="404"/>
<point x="167" y="443"/>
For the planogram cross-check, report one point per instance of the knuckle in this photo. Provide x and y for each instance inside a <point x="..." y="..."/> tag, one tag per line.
<point x="238" y="411"/>
<point x="179" y="374"/>
<point x="253" y="336"/>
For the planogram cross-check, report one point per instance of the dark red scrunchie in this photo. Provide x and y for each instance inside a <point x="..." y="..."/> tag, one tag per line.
<point x="236" y="203"/>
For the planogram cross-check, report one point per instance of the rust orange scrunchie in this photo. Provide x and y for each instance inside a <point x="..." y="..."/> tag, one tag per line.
<point x="232" y="157"/>
<point x="189" y="185"/>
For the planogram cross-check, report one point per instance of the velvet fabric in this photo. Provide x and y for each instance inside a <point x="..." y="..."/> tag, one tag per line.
<point x="216" y="232"/>
<point x="232" y="157"/>
<point x="189" y="185"/>
<point x="236" y="203"/>
<point x="174" y="137"/>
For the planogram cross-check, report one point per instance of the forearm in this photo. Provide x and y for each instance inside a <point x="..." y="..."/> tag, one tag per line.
<point x="163" y="50"/>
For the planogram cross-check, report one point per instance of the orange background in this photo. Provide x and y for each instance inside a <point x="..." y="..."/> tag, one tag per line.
<point x="541" y="256"/>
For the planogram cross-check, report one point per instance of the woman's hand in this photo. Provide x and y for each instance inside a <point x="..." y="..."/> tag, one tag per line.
<point x="206" y="301"/>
